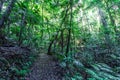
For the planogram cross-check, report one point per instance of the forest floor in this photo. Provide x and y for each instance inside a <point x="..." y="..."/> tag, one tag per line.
<point x="45" y="68"/>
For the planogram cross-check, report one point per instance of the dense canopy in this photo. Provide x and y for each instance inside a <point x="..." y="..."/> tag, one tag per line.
<point x="82" y="37"/>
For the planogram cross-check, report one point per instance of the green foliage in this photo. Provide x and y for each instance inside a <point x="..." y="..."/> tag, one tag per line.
<point x="19" y="72"/>
<point x="92" y="74"/>
<point x="17" y="67"/>
<point x="102" y="71"/>
<point x="76" y="76"/>
<point x="82" y="34"/>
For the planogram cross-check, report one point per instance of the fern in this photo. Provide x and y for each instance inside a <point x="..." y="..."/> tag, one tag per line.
<point x="93" y="74"/>
<point x="104" y="72"/>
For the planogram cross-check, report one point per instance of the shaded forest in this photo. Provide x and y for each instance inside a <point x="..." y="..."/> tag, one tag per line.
<point x="59" y="39"/>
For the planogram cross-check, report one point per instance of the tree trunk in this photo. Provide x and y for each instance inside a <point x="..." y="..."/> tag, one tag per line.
<point x="42" y="32"/>
<point x="112" y="21"/>
<point x="69" y="30"/>
<point x="1" y="5"/>
<point x="55" y="37"/>
<point x="7" y="13"/>
<point x="51" y="43"/>
<point x="22" y="25"/>
<point x="106" y="30"/>
<point x="62" y="40"/>
<point x="110" y="16"/>
<point x="4" y="18"/>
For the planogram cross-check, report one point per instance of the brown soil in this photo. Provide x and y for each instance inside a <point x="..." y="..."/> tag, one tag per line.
<point x="45" y="68"/>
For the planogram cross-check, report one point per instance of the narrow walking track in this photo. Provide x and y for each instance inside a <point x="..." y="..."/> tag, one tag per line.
<point x="45" y="68"/>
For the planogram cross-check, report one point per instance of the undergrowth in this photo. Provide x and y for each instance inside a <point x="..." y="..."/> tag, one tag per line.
<point x="89" y="65"/>
<point x="16" y="67"/>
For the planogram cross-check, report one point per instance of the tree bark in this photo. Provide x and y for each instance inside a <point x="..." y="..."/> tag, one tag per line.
<point x="1" y="5"/>
<point x="22" y="25"/>
<point x="55" y="37"/>
<point x="51" y="43"/>
<point x="62" y="40"/>
<point x="112" y="20"/>
<point x="7" y="13"/>
<point x="105" y="26"/>
<point x="69" y="30"/>
<point x="110" y="16"/>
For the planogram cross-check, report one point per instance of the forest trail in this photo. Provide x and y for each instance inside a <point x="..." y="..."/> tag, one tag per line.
<point x="45" y="68"/>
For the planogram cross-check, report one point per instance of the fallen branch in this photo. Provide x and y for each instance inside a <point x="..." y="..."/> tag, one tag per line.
<point x="11" y="51"/>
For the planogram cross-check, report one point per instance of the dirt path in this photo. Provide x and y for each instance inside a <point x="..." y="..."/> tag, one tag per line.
<point x="45" y="69"/>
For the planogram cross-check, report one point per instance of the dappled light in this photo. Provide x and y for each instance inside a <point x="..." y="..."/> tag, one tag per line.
<point x="59" y="39"/>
